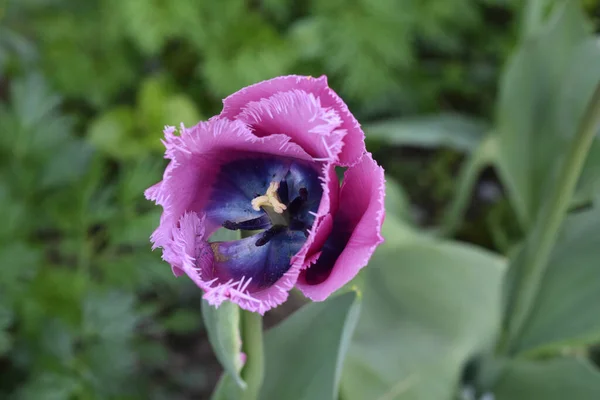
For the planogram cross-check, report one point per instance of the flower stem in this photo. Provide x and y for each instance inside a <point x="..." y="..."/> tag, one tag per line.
<point x="467" y="178"/>
<point x="252" y="345"/>
<point x="544" y="233"/>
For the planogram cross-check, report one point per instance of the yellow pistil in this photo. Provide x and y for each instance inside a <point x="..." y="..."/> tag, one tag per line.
<point x="270" y="199"/>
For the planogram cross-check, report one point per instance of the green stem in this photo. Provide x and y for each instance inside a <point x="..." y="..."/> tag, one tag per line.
<point x="543" y="236"/>
<point x="467" y="178"/>
<point x="252" y="345"/>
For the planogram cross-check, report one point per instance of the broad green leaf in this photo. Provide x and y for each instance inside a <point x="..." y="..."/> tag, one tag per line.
<point x="223" y="328"/>
<point x="397" y="203"/>
<point x="428" y="307"/>
<point x="554" y="379"/>
<point x="452" y="130"/>
<point x="568" y="304"/>
<point x="576" y="92"/>
<point x="543" y="94"/>
<point x="305" y="353"/>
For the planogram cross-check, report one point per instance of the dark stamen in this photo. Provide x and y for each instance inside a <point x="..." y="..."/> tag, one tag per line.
<point x="232" y="226"/>
<point x="303" y="193"/>
<point x="268" y="235"/>
<point x="251" y="225"/>
<point x="295" y="205"/>
<point x="282" y="192"/>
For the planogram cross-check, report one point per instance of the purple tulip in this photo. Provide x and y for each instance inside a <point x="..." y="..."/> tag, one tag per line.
<point x="266" y="164"/>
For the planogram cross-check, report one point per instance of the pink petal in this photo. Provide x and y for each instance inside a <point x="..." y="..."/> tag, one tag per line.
<point x="190" y="252"/>
<point x="354" y="146"/>
<point x="362" y="212"/>
<point x="322" y="225"/>
<point x="299" y="115"/>
<point x="196" y="156"/>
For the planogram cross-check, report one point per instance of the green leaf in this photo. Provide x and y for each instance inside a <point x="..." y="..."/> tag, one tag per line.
<point x="68" y="165"/>
<point x="137" y="230"/>
<point x="556" y="379"/>
<point x="305" y="353"/>
<point x="397" y="203"/>
<point x="428" y="307"/>
<point x="48" y="386"/>
<point x="5" y="342"/>
<point x="109" y="316"/>
<point x="450" y="130"/>
<point x="223" y="328"/>
<point x="568" y="304"/>
<point x="543" y="94"/>
<point x="111" y="133"/>
<point x="6" y="317"/>
<point x="158" y="106"/>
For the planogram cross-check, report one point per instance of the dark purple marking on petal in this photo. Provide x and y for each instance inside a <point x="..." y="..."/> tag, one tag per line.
<point x="333" y="247"/>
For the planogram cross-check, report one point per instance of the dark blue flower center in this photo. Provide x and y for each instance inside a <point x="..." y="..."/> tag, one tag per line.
<point x="275" y="236"/>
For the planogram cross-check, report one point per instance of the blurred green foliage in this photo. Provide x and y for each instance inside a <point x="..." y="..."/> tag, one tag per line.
<point x="86" y="310"/>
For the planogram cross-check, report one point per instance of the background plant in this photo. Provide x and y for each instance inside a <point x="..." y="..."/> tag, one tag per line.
<point x="477" y="110"/>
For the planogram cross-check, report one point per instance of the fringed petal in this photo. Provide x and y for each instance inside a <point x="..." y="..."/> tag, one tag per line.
<point x="197" y="155"/>
<point x="353" y="140"/>
<point x="356" y="232"/>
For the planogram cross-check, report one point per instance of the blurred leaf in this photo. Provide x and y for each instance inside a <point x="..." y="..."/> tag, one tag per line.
<point x="223" y="328"/>
<point x="137" y="176"/>
<point x="568" y="304"/>
<point x="182" y="321"/>
<point x="442" y="130"/>
<point x="58" y="340"/>
<point x="397" y="203"/>
<point x="589" y="181"/>
<point x="241" y="48"/>
<point x="109" y="316"/>
<point x="19" y="262"/>
<point x="157" y="106"/>
<point x="95" y="75"/>
<point x="5" y="342"/>
<point x="48" y="386"/>
<point x="12" y="214"/>
<point x="428" y="306"/>
<point x="112" y="131"/>
<point x="146" y="23"/>
<point x="137" y="229"/>
<point x="367" y="63"/>
<point x="304" y="354"/>
<point x="67" y="165"/>
<point x="110" y="366"/>
<point x="193" y="378"/>
<point x="543" y="94"/>
<point x="479" y="158"/>
<point x="556" y="379"/>
<point x="6" y="317"/>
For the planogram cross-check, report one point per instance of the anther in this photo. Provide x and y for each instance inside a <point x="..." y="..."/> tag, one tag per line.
<point x="267" y="235"/>
<point x="270" y="199"/>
